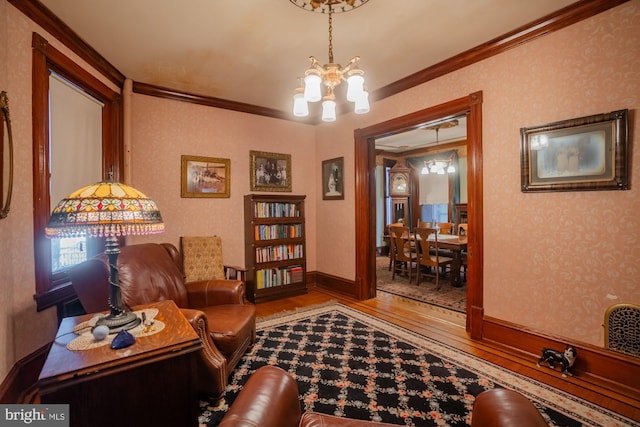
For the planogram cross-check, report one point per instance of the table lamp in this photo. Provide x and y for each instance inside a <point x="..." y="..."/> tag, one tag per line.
<point x="107" y="209"/>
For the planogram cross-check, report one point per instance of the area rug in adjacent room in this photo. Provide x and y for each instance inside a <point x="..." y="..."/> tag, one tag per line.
<point x="351" y="364"/>
<point x="447" y="296"/>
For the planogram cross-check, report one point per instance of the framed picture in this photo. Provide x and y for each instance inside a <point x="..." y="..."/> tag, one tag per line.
<point x="587" y="153"/>
<point x="333" y="179"/>
<point x="205" y="177"/>
<point x="270" y="171"/>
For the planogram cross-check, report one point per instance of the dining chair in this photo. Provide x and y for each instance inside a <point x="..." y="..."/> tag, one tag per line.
<point x="463" y="230"/>
<point x="429" y="256"/>
<point x="423" y="224"/>
<point x="445" y="227"/>
<point x="404" y="257"/>
<point x="391" y="243"/>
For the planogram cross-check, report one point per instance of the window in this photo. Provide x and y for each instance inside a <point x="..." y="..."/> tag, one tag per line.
<point x="75" y="138"/>
<point x="52" y="285"/>
<point x="437" y="213"/>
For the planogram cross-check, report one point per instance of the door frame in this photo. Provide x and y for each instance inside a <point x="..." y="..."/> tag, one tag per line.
<point x="365" y="198"/>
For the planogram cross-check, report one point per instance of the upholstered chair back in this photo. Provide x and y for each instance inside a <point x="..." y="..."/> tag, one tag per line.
<point x="147" y="272"/>
<point x="202" y="258"/>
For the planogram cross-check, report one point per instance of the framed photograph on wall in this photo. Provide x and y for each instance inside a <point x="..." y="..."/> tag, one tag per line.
<point x="205" y="177"/>
<point x="587" y="153"/>
<point x="333" y="179"/>
<point x="270" y="171"/>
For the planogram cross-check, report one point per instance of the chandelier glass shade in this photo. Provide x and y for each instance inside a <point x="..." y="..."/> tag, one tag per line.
<point x="330" y="75"/>
<point x="111" y="210"/>
<point x="439" y="167"/>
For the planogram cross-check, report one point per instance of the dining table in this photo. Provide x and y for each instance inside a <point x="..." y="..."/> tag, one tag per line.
<point x="456" y="244"/>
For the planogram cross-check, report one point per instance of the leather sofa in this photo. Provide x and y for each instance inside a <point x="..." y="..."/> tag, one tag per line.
<point x="270" y="399"/>
<point x="217" y="309"/>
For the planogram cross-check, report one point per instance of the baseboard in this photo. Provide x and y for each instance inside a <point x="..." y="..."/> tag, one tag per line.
<point x="20" y="384"/>
<point x="594" y="365"/>
<point x="335" y="284"/>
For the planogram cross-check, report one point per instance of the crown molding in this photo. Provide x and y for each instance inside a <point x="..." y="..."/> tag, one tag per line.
<point x="558" y="20"/>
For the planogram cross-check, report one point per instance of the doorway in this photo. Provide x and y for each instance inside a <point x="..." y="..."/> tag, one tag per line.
<point x="365" y="193"/>
<point x="434" y="158"/>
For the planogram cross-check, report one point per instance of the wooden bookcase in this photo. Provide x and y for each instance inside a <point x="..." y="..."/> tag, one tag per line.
<point x="275" y="246"/>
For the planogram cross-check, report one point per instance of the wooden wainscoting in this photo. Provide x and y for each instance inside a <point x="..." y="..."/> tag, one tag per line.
<point x="593" y="366"/>
<point x="335" y="284"/>
<point x="20" y="384"/>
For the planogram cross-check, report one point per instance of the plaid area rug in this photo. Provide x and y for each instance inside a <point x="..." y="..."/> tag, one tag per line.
<point x="350" y="364"/>
<point x="447" y="296"/>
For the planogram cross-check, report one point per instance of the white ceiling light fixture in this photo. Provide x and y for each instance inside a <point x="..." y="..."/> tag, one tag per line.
<point x="437" y="166"/>
<point x="331" y="74"/>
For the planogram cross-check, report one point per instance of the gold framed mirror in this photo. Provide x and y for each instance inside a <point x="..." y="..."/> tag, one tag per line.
<point x="6" y="157"/>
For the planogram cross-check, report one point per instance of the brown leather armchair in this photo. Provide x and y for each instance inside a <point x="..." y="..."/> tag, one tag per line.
<point x="217" y="309"/>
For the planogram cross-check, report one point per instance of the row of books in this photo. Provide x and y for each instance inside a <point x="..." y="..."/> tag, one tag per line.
<point x="276" y="210"/>
<point x="279" y="253"/>
<point x="278" y="231"/>
<point x="269" y="278"/>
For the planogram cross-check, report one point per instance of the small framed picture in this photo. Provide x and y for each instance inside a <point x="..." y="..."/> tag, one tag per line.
<point x="205" y="177"/>
<point x="587" y="153"/>
<point x="270" y="171"/>
<point x="333" y="179"/>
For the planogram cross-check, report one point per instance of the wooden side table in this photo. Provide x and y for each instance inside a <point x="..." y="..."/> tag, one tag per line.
<point x="151" y="383"/>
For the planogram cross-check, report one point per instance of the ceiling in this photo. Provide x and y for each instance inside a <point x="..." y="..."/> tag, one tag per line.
<point x="425" y="136"/>
<point x="253" y="51"/>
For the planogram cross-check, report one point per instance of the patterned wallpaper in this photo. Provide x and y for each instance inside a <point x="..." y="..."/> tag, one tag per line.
<point x="163" y="130"/>
<point x="552" y="262"/>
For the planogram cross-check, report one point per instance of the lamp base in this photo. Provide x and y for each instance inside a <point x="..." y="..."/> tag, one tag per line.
<point x="119" y="322"/>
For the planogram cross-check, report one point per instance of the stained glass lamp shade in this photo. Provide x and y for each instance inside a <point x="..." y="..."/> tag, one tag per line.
<point x="107" y="209"/>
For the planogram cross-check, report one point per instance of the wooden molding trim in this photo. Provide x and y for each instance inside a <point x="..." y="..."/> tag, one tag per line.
<point x="176" y="95"/>
<point x="21" y="382"/>
<point x="365" y="194"/>
<point x="45" y="58"/>
<point x="553" y="22"/>
<point x="562" y="18"/>
<point x="336" y="284"/>
<point x="42" y="16"/>
<point x="594" y="365"/>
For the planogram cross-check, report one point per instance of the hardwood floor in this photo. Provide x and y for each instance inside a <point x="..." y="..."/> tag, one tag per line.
<point x="449" y="329"/>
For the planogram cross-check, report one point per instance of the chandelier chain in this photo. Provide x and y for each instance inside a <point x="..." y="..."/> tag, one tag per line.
<point x="330" y="34"/>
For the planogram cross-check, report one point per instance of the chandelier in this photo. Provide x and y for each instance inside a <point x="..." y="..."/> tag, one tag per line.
<point x="330" y="75"/>
<point x="436" y="166"/>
